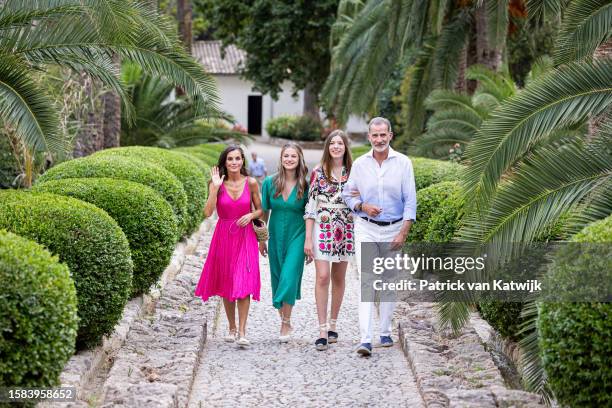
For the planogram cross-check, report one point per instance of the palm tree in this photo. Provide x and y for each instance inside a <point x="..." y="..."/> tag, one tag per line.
<point x="371" y="36"/>
<point x="457" y="116"/>
<point x="160" y="119"/>
<point x="85" y="35"/>
<point x="534" y="162"/>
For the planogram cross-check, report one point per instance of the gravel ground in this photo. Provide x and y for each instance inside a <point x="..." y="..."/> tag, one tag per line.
<point x="295" y="374"/>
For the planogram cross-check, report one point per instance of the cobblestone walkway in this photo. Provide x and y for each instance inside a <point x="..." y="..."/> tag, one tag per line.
<point x="295" y="374"/>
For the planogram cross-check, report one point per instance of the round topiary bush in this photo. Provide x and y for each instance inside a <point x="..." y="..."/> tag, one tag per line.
<point x="184" y="170"/>
<point x="429" y="202"/>
<point x="430" y="171"/>
<point x="38" y="314"/>
<point x="575" y="337"/>
<point x="209" y="158"/>
<point x="143" y="215"/>
<point x="138" y="171"/>
<point x="446" y="219"/>
<point x="86" y="239"/>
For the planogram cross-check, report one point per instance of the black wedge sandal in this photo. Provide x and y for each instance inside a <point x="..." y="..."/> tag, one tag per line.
<point x="332" y="336"/>
<point x="321" y="343"/>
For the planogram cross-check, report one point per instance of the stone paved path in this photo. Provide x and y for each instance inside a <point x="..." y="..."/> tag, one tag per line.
<point x="295" y="374"/>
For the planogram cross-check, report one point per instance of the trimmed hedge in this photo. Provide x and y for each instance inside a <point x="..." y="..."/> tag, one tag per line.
<point x="426" y="171"/>
<point x="143" y="215"/>
<point x="431" y="200"/>
<point x="38" y="314"/>
<point x="575" y="338"/>
<point x="295" y="127"/>
<point x="446" y="219"/>
<point x="121" y="168"/>
<point x="209" y="158"/>
<point x="89" y="241"/>
<point x="430" y="171"/>
<point x="505" y="317"/>
<point x="184" y="170"/>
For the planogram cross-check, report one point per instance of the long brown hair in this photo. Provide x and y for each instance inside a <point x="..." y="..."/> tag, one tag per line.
<point x="327" y="161"/>
<point x="301" y="171"/>
<point x="223" y="159"/>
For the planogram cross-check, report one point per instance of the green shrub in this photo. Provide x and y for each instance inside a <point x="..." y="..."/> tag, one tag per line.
<point x="430" y="171"/>
<point x="446" y="219"/>
<point x="86" y="239"/>
<point x="38" y="314"/>
<point x="575" y="337"/>
<point x="429" y="201"/>
<point x="159" y="179"/>
<point x="184" y="170"/>
<point x="307" y="128"/>
<point x="282" y="126"/>
<point x="505" y="317"/>
<point x="209" y="158"/>
<point x="143" y="215"/>
<point x="8" y="165"/>
<point x="360" y="150"/>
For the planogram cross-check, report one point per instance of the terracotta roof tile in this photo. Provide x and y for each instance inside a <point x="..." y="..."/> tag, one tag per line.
<point x="208" y="53"/>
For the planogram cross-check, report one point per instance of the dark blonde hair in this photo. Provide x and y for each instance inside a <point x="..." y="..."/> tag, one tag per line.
<point x="327" y="161"/>
<point x="301" y="171"/>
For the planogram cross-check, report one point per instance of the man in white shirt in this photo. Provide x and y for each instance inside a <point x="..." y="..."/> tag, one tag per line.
<point x="257" y="168"/>
<point x="381" y="192"/>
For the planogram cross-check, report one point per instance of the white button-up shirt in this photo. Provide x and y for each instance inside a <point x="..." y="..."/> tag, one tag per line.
<point x="389" y="186"/>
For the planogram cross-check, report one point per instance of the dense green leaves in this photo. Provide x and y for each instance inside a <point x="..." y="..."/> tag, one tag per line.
<point x="86" y="239"/>
<point x="38" y="314"/>
<point x="143" y="215"/>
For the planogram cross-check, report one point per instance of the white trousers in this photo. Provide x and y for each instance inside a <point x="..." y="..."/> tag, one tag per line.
<point x="366" y="231"/>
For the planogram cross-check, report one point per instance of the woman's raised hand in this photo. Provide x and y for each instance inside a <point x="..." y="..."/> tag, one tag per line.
<point x="214" y="177"/>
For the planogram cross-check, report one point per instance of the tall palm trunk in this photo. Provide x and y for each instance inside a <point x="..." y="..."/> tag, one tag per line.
<point x="183" y="15"/>
<point x="602" y="52"/>
<point x="460" y="82"/>
<point x="112" y="114"/>
<point x="487" y="55"/>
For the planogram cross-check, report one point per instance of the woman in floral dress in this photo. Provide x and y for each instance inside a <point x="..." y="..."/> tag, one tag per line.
<point x="329" y="231"/>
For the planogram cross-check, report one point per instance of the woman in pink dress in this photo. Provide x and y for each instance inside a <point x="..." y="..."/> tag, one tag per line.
<point x="232" y="265"/>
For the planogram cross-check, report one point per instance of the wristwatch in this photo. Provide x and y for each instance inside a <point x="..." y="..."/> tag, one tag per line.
<point x="358" y="207"/>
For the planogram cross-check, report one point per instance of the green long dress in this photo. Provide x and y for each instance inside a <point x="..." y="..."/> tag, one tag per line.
<point x="286" y="242"/>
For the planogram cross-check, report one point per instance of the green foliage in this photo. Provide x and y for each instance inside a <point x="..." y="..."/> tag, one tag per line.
<point x="38" y="314"/>
<point x="266" y="30"/>
<point x="431" y="200"/>
<point x="281" y="126"/>
<point x="160" y="120"/>
<point x="505" y="317"/>
<point x="575" y="337"/>
<point x="360" y="150"/>
<point x="186" y="172"/>
<point x="161" y="180"/>
<point x="8" y="165"/>
<point x="143" y="215"/>
<point x="84" y="36"/>
<point x="303" y="128"/>
<point x="86" y="239"/>
<point x="446" y="220"/>
<point x="429" y="171"/>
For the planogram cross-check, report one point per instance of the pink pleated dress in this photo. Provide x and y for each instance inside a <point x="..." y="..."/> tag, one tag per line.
<point x="231" y="269"/>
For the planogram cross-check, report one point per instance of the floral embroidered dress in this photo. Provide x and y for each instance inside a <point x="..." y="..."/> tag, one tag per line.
<point x="333" y="236"/>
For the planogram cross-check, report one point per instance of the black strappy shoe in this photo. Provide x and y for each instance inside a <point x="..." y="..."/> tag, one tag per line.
<point x="332" y="336"/>
<point x="321" y="343"/>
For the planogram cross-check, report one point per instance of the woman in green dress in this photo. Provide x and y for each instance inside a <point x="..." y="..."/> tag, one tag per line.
<point x="285" y="194"/>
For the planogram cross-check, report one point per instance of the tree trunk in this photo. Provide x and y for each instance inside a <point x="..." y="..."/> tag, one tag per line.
<point x="460" y="84"/>
<point x="183" y="15"/>
<point x="471" y="58"/>
<point x="486" y="55"/>
<point x="601" y="52"/>
<point x="90" y="137"/>
<point x="112" y="115"/>
<point x="311" y="104"/>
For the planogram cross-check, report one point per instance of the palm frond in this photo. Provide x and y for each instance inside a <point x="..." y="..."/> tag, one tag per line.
<point x="586" y="25"/>
<point x="26" y="108"/>
<point x="497" y="23"/>
<point x="567" y="95"/>
<point x="538" y="9"/>
<point x="449" y="47"/>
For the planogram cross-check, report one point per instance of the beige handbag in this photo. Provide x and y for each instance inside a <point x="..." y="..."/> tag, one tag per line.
<point x="259" y="225"/>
